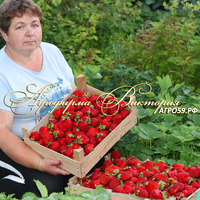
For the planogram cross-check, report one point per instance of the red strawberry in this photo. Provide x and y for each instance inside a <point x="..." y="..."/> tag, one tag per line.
<point x="152" y="185"/>
<point x="94" y="122"/>
<point x="161" y="177"/>
<point x="41" y="141"/>
<point x="118" y="189"/>
<point x="78" y="93"/>
<point x="183" y="177"/>
<point x="117" y="118"/>
<point x="115" y="154"/>
<point x="107" y="162"/>
<point x="189" y="189"/>
<point x="82" y="99"/>
<point x="93" y="98"/>
<point x="35" y="136"/>
<point x="143" y="193"/>
<point x="83" y="125"/>
<point x="156" y="194"/>
<point x="55" y="145"/>
<point x="120" y="163"/>
<point x="58" y="133"/>
<point x="100" y="137"/>
<point x="135" y="173"/>
<point x="92" y="131"/>
<point x="161" y="166"/>
<point x="177" y="166"/>
<point x="95" y="183"/>
<point x="141" y="180"/>
<point x="112" y="169"/>
<point x="62" y="149"/>
<point x="82" y="139"/>
<point x="69" y="137"/>
<point x="93" y="140"/>
<point x="179" y="195"/>
<point x="63" y="141"/>
<point x="131" y="161"/>
<point x="104" y="179"/>
<point x="128" y="189"/>
<point x="194" y="171"/>
<point x="172" y="173"/>
<point x="114" y="183"/>
<point x="124" y="113"/>
<point x="147" y="174"/>
<point x="58" y="112"/>
<point x="185" y="192"/>
<point x="130" y="183"/>
<point x="95" y="175"/>
<point x="94" y="112"/>
<point x="194" y="184"/>
<point x="69" y="152"/>
<point x="105" y="123"/>
<point x="155" y="170"/>
<point x="43" y="130"/>
<point x="89" y="148"/>
<point x="149" y="164"/>
<point x="112" y="127"/>
<point x="65" y="125"/>
<point x="173" y="189"/>
<point x="112" y="108"/>
<point x="125" y="175"/>
<point x="48" y="139"/>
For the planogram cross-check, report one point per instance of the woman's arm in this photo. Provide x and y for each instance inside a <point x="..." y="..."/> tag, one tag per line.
<point x="18" y="151"/>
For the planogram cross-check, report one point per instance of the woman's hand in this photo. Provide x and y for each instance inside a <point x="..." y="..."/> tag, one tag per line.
<point x="51" y="166"/>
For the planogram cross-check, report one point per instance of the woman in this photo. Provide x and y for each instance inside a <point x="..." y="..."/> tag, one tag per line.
<point x="27" y="64"/>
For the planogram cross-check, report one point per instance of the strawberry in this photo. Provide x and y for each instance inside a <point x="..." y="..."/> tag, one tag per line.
<point x="115" y="154"/>
<point x="179" y="195"/>
<point x="147" y="174"/>
<point x="124" y="113"/>
<point x="55" y="145"/>
<point x="114" y="183"/>
<point x="112" y="108"/>
<point x="135" y="173"/>
<point x="82" y="139"/>
<point x="177" y="166"/>
<point x="155" y="170"/>
<point x="118" y="189"/>
<point x="128" y="189"/>
<point x="112" y="127"/>
<point x="100" y="137"/>
<point x="194" y="171"/>
<point x="156" y="194"/>
<point x="78" y="115"/>
<point x="43" y="130"/>
<point x="189" y="189"/>
<point x="62" y="149"/>
<point x="86" y="110"/>
<point x="152" y="185"/>
<point x="93" y="98"/>
<point x="65" y="125"/>
<point x="78" y="93"/>
<point x="120" y="163"/>
<point x="117" y="119"/>
<point x="41" y="141"/>
<point x="58" y="112"/>
<point x="95" y="183"/>
<point x="94" y="122"/>
<point x="172" y="173"/>
<point x="149" y="164"/>
<point x="48" y="138"/>
<point x="161" y="177"/>
<point x="89" y="148"/>
<point x="93" y="140"/>
<point x="69" y="137"/>
<point x="83" y="99"/>
<point x="122" y="105"/>
<point x="83" y="125"/>
<point x="112" y="169"/>
<point x="35" y="136"/>
<point x="194" y="184"/>
<point x="130" y="183"/>
<point x="104" y="179"/>
<point x="105" y="123"/>
<point x="95" y="175"/>
<point x="141" y="180"/>
<point x="131" y="161"/>
<point x="94" y="112"/>
<point x="183" y="177"/>
<point x="107" y="162"/>
<point x="63" y="141"/>
<point x="69" y="152"/>
<point x="173" y="189"/>
<point x="58" y="133"/>
<point x="92" y="132"/>
<point x="125" y="175"/>
<point x="143" y="193"/>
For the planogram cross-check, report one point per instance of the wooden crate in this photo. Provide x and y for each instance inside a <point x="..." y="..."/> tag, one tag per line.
<point x="80" y="165"/>
<point x="75" y="188"/>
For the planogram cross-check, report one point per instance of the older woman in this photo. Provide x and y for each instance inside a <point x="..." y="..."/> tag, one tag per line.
<point x="27" y="64"/>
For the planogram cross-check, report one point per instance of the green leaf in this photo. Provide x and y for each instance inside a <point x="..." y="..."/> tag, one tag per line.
<point x="164" y="83"/>
<point x="42" y="188"/>
<point x="177" y="86"/>
<point x="141" y="112"/>
<point x="183" y="136"/>
<point x="29" y="196"/>
<point x="171" y="119"/>
<point x="149" y="2"/>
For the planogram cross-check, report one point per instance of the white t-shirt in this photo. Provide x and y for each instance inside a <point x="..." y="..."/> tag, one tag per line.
<point x="55" y="76"/>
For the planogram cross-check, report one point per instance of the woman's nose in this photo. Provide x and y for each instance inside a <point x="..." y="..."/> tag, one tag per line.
<point x="29" y="31"/>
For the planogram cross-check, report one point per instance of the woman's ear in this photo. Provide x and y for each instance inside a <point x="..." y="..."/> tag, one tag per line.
<point x="4" y="35"/>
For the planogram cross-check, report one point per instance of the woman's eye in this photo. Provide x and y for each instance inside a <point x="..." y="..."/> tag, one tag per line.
<point x="35" y="25"/>
<point x="20" y="27"/>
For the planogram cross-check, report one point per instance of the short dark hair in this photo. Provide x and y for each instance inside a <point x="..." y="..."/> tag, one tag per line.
<point x="16" y="8"/>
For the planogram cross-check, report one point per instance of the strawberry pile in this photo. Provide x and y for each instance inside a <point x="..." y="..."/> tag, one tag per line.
<point x="81" y="125"/>
<point x="147" y="179"/>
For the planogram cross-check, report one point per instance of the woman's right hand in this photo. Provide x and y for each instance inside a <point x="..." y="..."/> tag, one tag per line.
<point x="51" y="166"/>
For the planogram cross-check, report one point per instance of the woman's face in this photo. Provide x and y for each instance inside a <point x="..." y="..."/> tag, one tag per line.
<point x="24" y="34"/>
